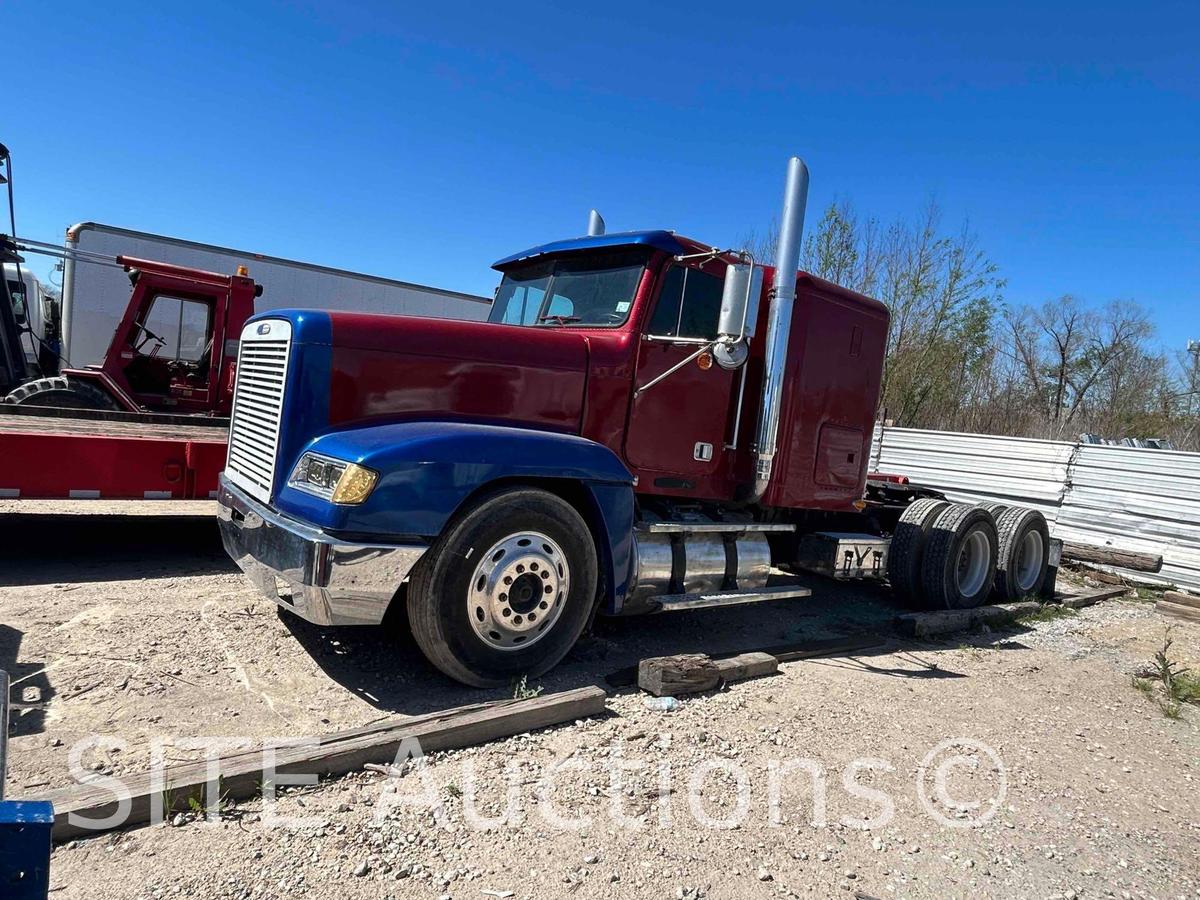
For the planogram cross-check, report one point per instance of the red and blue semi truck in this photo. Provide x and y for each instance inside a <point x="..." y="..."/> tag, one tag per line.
<point x="645" y="423"/>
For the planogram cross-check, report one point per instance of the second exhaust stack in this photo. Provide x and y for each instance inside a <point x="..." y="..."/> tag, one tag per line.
<point x="779" y="321"/>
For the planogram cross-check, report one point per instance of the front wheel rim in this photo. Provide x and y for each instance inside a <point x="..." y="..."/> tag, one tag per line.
<point x="518" y="591"/>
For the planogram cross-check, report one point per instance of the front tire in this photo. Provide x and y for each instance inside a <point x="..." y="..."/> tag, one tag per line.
<point x="506" y="590"/>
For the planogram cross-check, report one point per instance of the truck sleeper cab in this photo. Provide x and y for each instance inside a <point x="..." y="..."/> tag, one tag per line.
<point x="642" y="425"/>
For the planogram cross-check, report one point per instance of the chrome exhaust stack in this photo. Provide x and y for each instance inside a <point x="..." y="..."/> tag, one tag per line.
<point x="779" y="322"/>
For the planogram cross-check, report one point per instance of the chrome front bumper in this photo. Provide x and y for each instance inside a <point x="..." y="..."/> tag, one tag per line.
<point x="306" y="571"/>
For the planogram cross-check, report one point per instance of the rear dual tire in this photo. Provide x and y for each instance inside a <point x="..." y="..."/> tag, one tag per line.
<point x="907" y="549"/>
<point x="953" y="556"/>
<point x="959" y="565"/>
<point x="1023" y="552"/>
<point x="996" y="509"/>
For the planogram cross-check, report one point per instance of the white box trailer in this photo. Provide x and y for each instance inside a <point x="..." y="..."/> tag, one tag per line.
<point x="95" y="295"/>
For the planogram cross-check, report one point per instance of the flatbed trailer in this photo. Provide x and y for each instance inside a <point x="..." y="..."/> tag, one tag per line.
<point x="72" y="454"/>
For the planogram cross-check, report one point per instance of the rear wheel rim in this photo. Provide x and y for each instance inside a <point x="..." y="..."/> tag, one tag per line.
<point x="518" y="590"/>
<point x="971" y="567"/>
<point x="1030" y="557"/>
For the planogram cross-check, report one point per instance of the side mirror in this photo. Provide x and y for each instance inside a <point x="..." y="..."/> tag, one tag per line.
<point x="739" y="314"/>
<point x="739" y="301"/>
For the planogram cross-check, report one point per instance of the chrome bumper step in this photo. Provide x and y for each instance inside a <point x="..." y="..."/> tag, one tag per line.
<point x="673" y="602"/>
<point x="732" y="528"/>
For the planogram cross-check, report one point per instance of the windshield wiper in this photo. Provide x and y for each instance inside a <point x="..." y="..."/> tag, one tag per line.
<point x="559" y="320"/>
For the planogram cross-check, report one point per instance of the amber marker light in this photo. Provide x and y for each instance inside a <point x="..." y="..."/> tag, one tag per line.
<point x="355" y="484"/>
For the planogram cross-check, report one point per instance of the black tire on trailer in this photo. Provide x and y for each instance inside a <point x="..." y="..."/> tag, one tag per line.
<point x="960" y="558"/>
<point x="61" y="392"/>
<point x="908" y="546"/>
<point x="506" y="589"/>
<point x="1023" y="554"/>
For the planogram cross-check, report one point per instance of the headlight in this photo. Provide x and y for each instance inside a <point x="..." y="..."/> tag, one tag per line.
<point x="334" y="479"/>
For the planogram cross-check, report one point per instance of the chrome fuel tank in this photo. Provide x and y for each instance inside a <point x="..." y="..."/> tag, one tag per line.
<point x="687" y="561"/>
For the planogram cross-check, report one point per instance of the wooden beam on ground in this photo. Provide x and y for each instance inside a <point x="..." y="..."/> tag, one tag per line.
<point x="1182" y="599"/>
<point x="784" y="653"/>
<point x="694" y="673"/>
<point x="1110" y="556"/>
<point x="1178" y="611"/>
<point x="930" y="624"/>
<point x="1079" y="601"/>
<point x="747" y="665"/>
<point x="1101" y="575"/>
<point x="242" y="773"/>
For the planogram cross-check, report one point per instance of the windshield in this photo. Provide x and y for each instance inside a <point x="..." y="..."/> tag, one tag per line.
<point x="590" y="291"/>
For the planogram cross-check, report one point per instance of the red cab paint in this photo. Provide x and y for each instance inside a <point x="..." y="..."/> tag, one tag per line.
<point x="683" y="437"/>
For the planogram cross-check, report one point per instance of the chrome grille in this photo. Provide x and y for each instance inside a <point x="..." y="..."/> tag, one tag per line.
<point x="258" y="406"/>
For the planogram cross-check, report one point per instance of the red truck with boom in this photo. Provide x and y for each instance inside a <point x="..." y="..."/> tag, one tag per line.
<point x="641" y="426"/>
<point x="151" y="420"/>
<point x="188" y="368"/>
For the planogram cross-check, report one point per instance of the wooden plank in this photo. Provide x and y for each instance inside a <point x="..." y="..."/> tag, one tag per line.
<point x="1101" y="575"/>
<point x="1182" y="599"/>
<point x="747" y="665"/>
<point x="928" y="624"/>
<point x="694" y="673"/>
<point x="1178" y="611"/>
<point x="669" y="676"/>
<point x="1079" y="601"/>
<point x="830" y="647"/>
<point x="1111" y="556"/>
<point x="792" y="652"/>
<point x="242" y="773"/>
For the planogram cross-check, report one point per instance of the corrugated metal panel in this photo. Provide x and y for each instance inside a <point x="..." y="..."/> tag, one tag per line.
<point x="1137" y="499"/>
<point x="977" y="467"/>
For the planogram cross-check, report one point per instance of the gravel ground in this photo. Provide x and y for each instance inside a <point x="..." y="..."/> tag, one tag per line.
<point x="139" y="628"/>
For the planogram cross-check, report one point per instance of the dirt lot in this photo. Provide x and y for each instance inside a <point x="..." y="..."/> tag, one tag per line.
<point x="139" y="628"/>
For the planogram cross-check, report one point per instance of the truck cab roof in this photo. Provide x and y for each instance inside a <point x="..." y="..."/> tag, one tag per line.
<point x="666" y="241"/>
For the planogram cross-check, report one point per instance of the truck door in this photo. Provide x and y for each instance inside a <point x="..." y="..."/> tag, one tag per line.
<point x="679" y="425"/>
<point x="170" y="353"/>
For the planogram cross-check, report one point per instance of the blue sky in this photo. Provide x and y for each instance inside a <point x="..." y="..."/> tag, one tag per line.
<point x="425" y="141"/>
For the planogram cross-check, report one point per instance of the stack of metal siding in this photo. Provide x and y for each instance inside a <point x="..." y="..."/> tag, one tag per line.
<point x="1129" y="498"/>
<point x="979" y="468"/>
<point x="1137" y="499"/>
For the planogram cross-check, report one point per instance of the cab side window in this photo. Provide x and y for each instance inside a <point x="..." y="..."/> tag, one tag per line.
<point x="688" y="305"/>
<point x="180" y="328"/>
<point x="17" y="291"/>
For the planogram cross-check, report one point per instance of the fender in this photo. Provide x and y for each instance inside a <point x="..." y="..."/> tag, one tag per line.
<point x="427" y="470"/>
